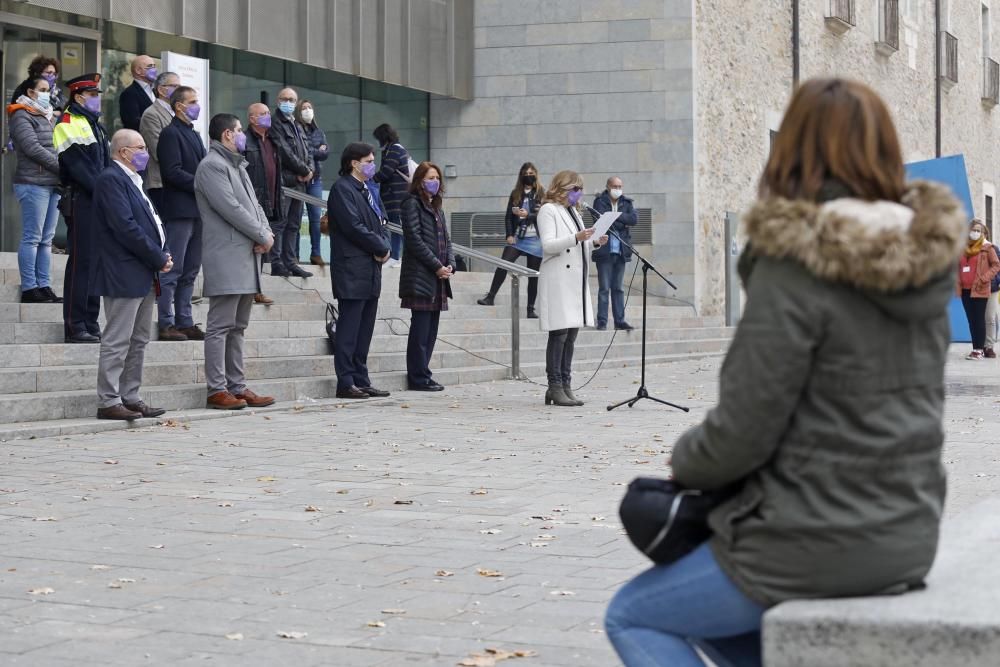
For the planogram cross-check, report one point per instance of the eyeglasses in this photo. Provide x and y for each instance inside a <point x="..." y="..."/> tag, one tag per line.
<point x="577" y="188"/>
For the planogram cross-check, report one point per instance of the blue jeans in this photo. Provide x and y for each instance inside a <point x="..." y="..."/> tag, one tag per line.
<point x="39" y="215"/>
<point x="658" y="617"/>
<point x="396" y="240"/>
<point x="177" y="286"/>
<point x="315" y="188"/>
<point x="610" y="274"/>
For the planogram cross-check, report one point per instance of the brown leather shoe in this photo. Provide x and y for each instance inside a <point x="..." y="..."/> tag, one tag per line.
<point x="143" y="409"/>
<point x="171" y="333"/>
<point x="223" y="400"/>
<point x="255" y="401"/>
<point x="193" y="332"/>
<point x="119" y="412"/>
<point x="263" y="300"/>
<point x="317" y="260"/>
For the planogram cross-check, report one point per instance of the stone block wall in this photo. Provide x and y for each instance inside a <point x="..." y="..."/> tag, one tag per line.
<point x="603" y="88"/>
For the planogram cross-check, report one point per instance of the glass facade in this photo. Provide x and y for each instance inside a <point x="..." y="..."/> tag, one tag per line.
<point x="347" y="107"/>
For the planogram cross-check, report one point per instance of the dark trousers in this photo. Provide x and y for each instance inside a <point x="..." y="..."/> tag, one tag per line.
<point x="420" y="345"/>
<point x="510" y="254"/>
<point x="177" y="286"/>
<point x="315" y="213"/>
<point x="975" y="312"/>
<point x="610" y="277"/>
<point x="80" y="310"/>
<point x="559" y="355"/>
<point x="355" y="328"/>
<point x="285" y="250"/>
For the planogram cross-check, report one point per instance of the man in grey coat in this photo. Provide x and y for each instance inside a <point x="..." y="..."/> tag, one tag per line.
<point x="235" y="233"/>
<point x="156" y="117"/>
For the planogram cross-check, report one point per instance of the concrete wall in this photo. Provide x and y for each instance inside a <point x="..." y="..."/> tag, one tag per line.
<point x="599" y="87"/>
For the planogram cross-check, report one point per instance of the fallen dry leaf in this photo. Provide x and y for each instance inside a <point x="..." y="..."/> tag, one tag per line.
<point x="491" y="656"/>
<point x="343" y="492"/>
<point x="298" y="408"/>
<point x="100" y="567"/>
<point x="235" y="636"/>
<point x="155" y="546"/>
<point x="479" y="492"/>
<point x="491" y="531"/>
<point x="266" y="478"/>
<point x="285" y="634"/>
<point x="312" y="508"/>
<point x="489" y="573"/>
<point x="112" y="462"/>
<point x="562" y="593"/>
<point x="42" y="591"/>
<point x="225" y="503"/>
<point x="45" y="518"/>
<point x="444" y="573"/>
<point x="404" y="406"/>
<point x="394" y="611"/>
<point x="403" y="502"/>
<point x="120" y="582"/>
<point x="376" y="624"/>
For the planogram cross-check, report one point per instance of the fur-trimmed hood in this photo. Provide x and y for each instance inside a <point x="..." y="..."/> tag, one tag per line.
<point x="889" y="251"/>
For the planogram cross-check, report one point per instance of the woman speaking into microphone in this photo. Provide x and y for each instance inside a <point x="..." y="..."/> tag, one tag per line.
<point x="564" y="281"/>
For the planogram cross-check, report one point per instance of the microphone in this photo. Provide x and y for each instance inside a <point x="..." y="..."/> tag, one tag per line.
<point x="593" y="211"/>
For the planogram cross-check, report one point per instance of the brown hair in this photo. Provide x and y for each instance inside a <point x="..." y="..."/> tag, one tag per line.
<point x="840" y="130"/>
<point x="38" y="65"/>
<point x="518" y="192"/>
<point x="417" y="183"/>
<point x="560" y="186"/>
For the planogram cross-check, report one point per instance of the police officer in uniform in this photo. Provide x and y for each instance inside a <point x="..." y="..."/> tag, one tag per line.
<point x="82" y="146"/>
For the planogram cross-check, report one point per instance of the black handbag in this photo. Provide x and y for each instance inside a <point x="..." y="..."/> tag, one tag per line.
<point x="664" y="520"/>
<point x="331" y="326"/>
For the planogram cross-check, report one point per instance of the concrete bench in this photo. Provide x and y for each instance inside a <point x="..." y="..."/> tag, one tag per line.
<point x="954" y="622"/>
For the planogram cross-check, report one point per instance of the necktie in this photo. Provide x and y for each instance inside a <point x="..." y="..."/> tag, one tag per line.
<point x="371" y="201"/>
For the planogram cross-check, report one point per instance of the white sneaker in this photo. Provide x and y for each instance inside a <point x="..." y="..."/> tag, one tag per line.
<point x="393" y="263"/>
<point x="976" y="354"/>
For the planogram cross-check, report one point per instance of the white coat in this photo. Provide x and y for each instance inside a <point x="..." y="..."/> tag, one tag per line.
<point x="564" y="277"/>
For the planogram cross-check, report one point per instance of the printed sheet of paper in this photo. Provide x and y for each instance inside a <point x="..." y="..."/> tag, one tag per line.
<point x="603" y="224"/>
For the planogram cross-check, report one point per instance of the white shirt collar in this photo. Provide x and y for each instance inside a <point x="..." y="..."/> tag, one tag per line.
<point x="148" y="87"/>
<point x="137" y="181"/>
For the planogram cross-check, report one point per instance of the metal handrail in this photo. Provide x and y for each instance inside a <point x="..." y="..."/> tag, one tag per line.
<point x="516" y="272"/>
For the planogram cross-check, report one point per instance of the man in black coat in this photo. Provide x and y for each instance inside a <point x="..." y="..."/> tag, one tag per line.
<point x="296" y="171"/>
<point x="611" y="257"/>
<point x="137" y="97"/>
<point x="359" y="247"/>
<point x="180" y="150"/>
<point x="264" y="169"/>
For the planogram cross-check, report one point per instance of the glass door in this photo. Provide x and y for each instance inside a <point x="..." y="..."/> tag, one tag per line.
<point x="77" y="55"/>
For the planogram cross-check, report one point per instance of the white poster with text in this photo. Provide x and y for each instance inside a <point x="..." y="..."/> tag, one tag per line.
<point x="193" y="72"/>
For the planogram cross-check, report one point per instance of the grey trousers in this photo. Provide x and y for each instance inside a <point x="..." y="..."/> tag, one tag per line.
<point x="123" y="346"/>
<point x="228" y="317"/>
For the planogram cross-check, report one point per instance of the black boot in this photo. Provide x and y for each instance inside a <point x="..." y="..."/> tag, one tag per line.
<point x="486" y="300"/>
<point x="532" y="315"/>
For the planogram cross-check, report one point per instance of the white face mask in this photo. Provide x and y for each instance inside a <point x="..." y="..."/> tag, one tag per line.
<point x="307" y="115"/>
<point x="616" y="193"/>
<point x="975" y="235"/>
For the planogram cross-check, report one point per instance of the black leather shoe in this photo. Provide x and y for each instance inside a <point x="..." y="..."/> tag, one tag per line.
<point x="532" y="315"/>
<point x="279" y="272"/>
<point x="351" y="392"/>
<point x="299" y="273"/>
<point x="144" y="409"/>
<point x="624" y="326"/>
<point x="50" y="296"/>
<point x="374" y="393"/>
<point x="34" y="295"/>
<point x="83" y="337"/>
<point x="433" y="386"/>
<point x="119" y="412"/>
<point x="486" y="300"/>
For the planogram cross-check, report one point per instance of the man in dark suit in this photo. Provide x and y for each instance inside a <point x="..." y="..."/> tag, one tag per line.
<point x="137" y="97"/>
<point x="295" y="151"/>
<point x="359" y="247"/>
<point x="179" y="151"/>
<point x="130" y="254"/>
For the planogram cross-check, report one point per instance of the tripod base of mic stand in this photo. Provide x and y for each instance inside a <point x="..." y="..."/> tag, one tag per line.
<point x="641" y="394"/>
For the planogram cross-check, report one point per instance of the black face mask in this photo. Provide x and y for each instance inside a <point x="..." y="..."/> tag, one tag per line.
<point x="529" y="180"/>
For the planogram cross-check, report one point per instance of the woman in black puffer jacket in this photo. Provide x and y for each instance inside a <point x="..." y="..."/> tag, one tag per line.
<point x="428" y="263"/>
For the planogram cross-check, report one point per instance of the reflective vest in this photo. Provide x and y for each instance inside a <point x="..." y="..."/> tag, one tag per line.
<point x="72" y="129"/>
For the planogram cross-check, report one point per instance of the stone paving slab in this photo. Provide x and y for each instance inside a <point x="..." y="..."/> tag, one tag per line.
<point x="158" y="542"/>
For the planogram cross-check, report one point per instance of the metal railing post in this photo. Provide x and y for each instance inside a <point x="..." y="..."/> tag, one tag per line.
<point x="515" y="327"/>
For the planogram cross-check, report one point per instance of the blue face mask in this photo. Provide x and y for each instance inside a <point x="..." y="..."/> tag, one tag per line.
<point x="287" y="108"/>
<point x="44" y="99"/>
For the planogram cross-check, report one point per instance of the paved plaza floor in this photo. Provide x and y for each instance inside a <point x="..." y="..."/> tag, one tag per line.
<point x="416" y="530"/>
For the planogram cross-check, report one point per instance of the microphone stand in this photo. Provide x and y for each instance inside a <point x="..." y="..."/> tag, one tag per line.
<point x="643" y="393"/>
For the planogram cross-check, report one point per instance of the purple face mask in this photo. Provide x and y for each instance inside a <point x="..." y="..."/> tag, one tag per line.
<point x="432" y="186"/>
<point x="139" y="160"/>
<point x="241" y="142"/>
<point x="93" y="104"/>
<point x="151" y="74"/>
<point x="51" y="78"/>
<point x="193" y="111"/>
<point x="368" y="169"/>
<point x="264" y="121"/>
<point x="574" y="197"/>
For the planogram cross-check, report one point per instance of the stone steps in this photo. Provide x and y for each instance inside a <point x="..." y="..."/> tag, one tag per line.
<point x="287" y="355"/>
<point x="19" y="410"/>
